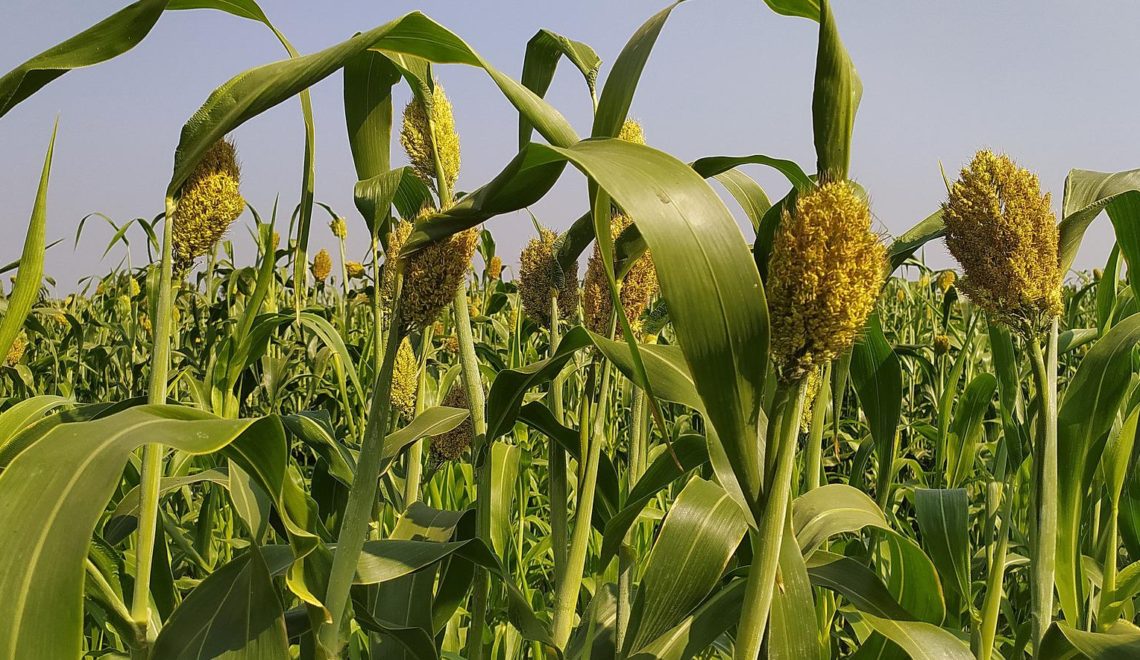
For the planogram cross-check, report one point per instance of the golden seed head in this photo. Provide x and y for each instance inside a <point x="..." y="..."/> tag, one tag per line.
<point x="211" y="200"/>
<point x="16" y="351"/>
<point x="405" y="379"/>
<point x="144" y="323"/>
<point x="431" y="275"/>
<point x="133" y="288"/>
<point x="495" y="268"/>
<point x="541" y="278"/>
<point x="631" y="131"/>
<point x="339" y="228"/>
<point x="100" y="288"/>
<point x="1097" y="274"/>
<point x="451" y="344"/>
<point x="451" y="445"/>
<point x="437" y="328"/>
<point x="1000" y="228"/>
<point x="924" y="281"/>
<point x="276" y="241"/>
<point x="472" y="311"/>
<point x="638" y="287"/>
<point x="941" y="344"/>
<point x="826" y="270"/>
<point x="416" y="136"/>
<point x="322" y="265"/>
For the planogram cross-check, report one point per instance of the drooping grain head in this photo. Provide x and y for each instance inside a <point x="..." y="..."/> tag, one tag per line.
<point x="211" y="200"/>
<point x="417" y="133"/>
<point x="339" y="228"/>
<point x="433" y="274"/>
<point x="450" y="446"/>
<point x="824" y="277"/>
<point x="541" y="278"/>
<point x="405" y="379"/>
<point x="1000" y="228"/>
<point x="638" y="286"/>
<point x="322" y="265"/>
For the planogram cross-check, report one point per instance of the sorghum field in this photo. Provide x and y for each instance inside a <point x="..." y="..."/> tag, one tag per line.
<point x="793" y="441"/>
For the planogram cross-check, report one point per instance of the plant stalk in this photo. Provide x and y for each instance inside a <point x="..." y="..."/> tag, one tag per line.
<point x="1043" y="544"/>
<point x="767" y="539"/>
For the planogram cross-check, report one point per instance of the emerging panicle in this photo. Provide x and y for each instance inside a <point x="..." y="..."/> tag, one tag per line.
<point x="541" y="278"/>
<point x="405" y="379"/>
<point x="1000" y="228"/>
<point x="210" y="201"/>
<point x="339" y="228"/>
<point x="417" y="134"/>
<point x="451" y="445"/>
<point x="946" y="280"/>
<point x="495" y="267"/>
<point x="826" y="270"/>
<point x="16" y="351"/>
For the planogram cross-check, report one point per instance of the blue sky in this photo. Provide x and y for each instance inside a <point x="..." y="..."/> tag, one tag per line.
<point x="1050" y="83"/>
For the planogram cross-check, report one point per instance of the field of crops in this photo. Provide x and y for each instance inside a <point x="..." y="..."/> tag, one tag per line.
<point x="792" y="441"/>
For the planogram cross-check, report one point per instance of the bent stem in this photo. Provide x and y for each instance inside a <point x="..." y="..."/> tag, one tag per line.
<point x="1043" y="544"/>
<point x="767" y="539"/>
<point x="362" y="496"/>
<point x="151" y="476"/>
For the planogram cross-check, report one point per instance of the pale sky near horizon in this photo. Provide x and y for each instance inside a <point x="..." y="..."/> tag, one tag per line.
<point x="1049" y="83"/>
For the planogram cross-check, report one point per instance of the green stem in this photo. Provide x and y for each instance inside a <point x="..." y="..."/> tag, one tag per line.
<point x="558" y="481"/>
<point x="362" y="496"/>
<point x="991" y="606"/>
<point x="566" y="596"/>
<point x="151" y="475"/>
<point x="1043" y="544"/>
<point x="414" y="459"/>
<point x="473" y="387"/>
<point x="820" y="405"/>
<point x="767" y="539"/>
<point x="1108" y="585"/>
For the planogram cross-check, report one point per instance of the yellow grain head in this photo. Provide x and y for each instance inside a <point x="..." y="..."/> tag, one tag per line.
<point x="824" y="276"/>
<point x="812" y="384"/>
<point x="1000" y="228"/>
<point x="631" y="131"/>
<point x="211" y="200"/>
<point x="541" y="278"/>
<point x="16" y="351"/>
<point x="946" y="280"/>
<point x="416" y="136"/>
<point x="638" y="286"/>
<point x="495" y="267"/>
<point x="433" y="274"/>
<point x="941" y="344"/>
<point x="355" y="269"/>
<point x="322" y="265"/>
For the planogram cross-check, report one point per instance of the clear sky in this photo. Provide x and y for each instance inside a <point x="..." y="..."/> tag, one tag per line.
<point x="1050" y="83"/>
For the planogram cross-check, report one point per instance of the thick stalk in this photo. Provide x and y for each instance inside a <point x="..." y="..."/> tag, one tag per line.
<point x="473" y="387"/>
<point x="991" y="606"/>
<point x="415" y="458"/>
<point x="767" y="539"/>
<point x="151" y="476"/>
<point x="1108" y="584"/>
<point x="566" y="596"/>
<point x="1043" y="544"/>
<point x="814" y="469"/>
<point x="362" y="496"/>
<point x="558" y="487"/>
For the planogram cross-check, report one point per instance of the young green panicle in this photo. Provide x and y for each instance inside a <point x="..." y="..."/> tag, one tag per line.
<point x="405" y="379"/>
<point x="541" y="278"/>
<point x="211" y="200"/>
<point x="432" y="274"/>
<point x="1000" y="228"/>
<point x="322" y="265"/>
<point x="638" y="286"/>
<point x="826" y="270"/>
<point x="418" y="134"/>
